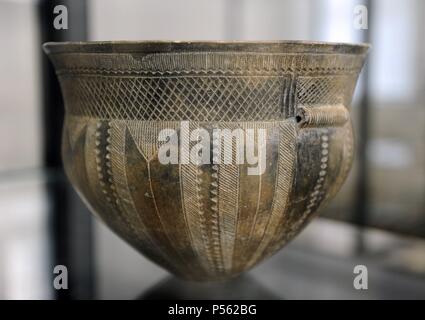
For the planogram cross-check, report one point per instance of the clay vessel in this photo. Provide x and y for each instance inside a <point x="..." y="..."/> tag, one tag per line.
<point x="206" y="221"/>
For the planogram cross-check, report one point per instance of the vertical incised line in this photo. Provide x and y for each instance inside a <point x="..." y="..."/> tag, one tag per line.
<point x="194" y="213"/>
<point x="125" y="202"/>
<point x="159" y="215"/>
<point x="285" y="174"/>
<point x="315" y="197"/>
<point x="192" y="205"/>
<point x="254" y="223"/>
<point x="104" y="168"/>
<point x="215" y="225"/>
<point x="227" y="193"/>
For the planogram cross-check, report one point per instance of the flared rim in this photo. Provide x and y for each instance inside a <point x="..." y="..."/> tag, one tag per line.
<point x="151" y="46"/>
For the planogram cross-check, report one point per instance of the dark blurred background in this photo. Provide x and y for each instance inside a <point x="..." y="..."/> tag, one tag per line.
<point x="377" y="219"/>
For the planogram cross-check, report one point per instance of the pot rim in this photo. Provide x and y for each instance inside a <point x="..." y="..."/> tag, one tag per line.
<point x="158" y="46"/>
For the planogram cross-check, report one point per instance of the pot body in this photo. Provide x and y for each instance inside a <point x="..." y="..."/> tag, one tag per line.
<point x="213" y="220"/>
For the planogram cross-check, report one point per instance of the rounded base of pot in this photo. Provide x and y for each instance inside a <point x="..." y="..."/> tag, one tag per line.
<point x="209" y="278"/>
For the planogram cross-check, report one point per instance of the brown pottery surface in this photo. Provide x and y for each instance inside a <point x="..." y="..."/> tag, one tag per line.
<point x="207" y="221"/>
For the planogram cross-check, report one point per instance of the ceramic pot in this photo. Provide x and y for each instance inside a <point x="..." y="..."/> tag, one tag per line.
<point x="213" y="219"/>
